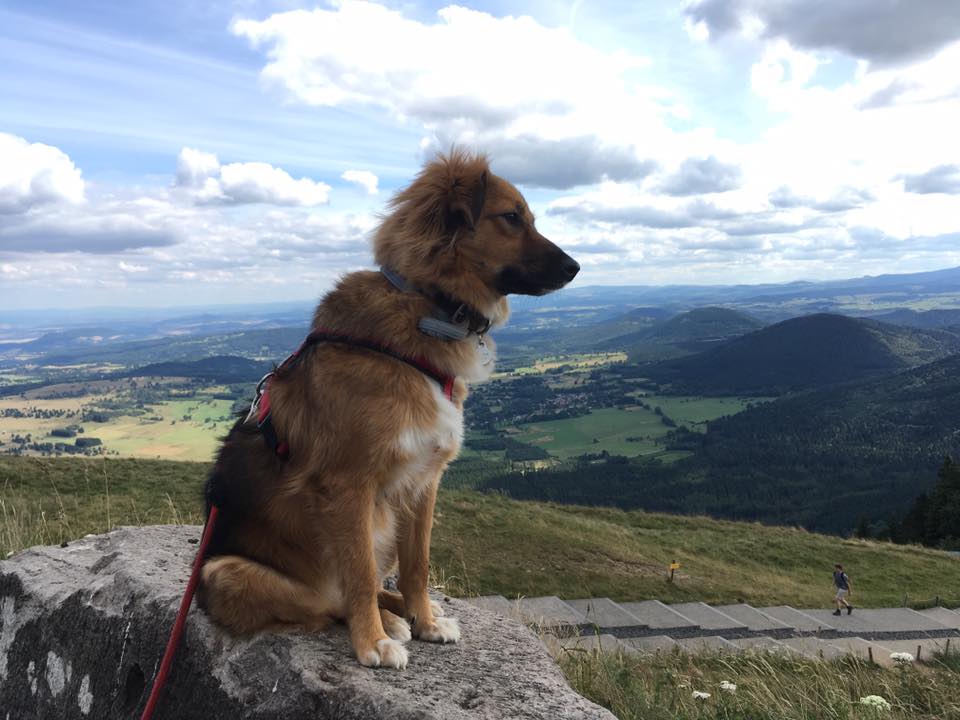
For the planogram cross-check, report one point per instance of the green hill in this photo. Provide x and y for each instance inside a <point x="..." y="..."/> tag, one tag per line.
<point x="803" y="353"/>
<point x="688" y="332"/>
<point x="485" y="543"/>
<point x="708" y="324"/>
<point x="219" y="368"/>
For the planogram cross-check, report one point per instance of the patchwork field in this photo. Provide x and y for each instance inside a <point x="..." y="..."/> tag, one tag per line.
<point x="180" y="428"/>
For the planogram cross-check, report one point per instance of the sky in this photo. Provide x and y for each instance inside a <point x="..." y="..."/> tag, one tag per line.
<point x="163" y="153"/>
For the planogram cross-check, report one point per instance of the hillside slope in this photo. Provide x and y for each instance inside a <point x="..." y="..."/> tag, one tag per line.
<point x="803" y="353"/>
<point x="821" y="459"/>
<point x="485" y="543"/>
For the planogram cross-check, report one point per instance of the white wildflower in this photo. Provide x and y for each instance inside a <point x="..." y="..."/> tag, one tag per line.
<point x="697" y="695"/>
<point x="728" y="686"/>
<point x="875" y="701"/>
<point x="901" y="658"/>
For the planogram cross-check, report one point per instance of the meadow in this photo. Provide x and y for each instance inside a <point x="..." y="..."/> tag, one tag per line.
<point x="632" y="431"/>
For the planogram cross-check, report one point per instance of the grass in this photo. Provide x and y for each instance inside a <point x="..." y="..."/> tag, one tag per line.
<point x="45" y="501"/>
<point x="768" y="687"/>
<point x="488" y="544"/>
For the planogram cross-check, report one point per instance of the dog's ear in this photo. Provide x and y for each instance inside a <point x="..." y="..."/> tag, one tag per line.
<point x="467" y="198"/>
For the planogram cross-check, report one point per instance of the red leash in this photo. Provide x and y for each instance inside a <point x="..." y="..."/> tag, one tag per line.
<point x="178" y="627"/>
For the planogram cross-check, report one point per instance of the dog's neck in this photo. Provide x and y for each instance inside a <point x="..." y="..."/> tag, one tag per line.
<point x="450" y="318"/>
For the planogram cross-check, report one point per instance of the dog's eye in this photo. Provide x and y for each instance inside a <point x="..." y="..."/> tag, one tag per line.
<point x="512" y="218"/>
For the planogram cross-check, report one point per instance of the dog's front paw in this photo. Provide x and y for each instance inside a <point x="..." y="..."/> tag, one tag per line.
<point x="388" y="653"/>
<point x="441" y="630"/>
<point x="437" y="609"/>
<point x="396" y="627"/>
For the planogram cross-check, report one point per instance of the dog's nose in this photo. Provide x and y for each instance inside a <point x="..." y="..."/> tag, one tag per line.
<point x="570" y="268"/>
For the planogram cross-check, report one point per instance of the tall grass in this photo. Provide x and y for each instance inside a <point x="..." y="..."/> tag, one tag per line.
<point x="48" y="502"/>
<point x="768" y="686"/>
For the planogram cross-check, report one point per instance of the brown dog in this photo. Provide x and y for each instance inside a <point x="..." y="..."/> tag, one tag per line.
<point x="316" y="509"/>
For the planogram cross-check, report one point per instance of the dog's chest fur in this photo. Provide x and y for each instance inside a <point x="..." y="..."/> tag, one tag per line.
<point x="424" y="450"/>
<point x="422" y="454"/>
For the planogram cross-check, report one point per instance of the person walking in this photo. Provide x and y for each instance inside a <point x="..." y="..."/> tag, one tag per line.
<point x="841" y="581"/>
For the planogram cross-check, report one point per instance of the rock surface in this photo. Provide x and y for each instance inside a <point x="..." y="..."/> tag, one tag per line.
<point x="83" y="628"/>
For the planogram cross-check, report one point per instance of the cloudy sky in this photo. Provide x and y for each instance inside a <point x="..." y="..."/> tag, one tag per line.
<point x="165" y="152"/>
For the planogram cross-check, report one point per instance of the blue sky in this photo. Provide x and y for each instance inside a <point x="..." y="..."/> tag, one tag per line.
<point x="164" y="153"/>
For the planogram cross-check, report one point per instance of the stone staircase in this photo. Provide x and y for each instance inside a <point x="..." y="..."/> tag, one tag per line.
<point x="652" y="626"/>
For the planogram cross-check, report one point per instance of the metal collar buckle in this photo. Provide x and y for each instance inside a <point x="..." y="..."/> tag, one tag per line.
<point x="257" y="396"/>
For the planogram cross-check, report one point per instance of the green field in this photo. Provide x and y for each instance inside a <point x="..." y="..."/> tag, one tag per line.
<point x="609" y="428"/>
<point x="487" y="544"/>
<point x="173" y="437"/>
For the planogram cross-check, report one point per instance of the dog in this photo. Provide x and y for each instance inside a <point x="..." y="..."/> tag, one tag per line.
<point x="335" y="489"/>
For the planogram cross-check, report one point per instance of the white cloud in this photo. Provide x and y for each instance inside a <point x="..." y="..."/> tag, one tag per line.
<point x="364" y="178"/>
<point x="33" y="174"/>
<point x="207" y="181"/>
<point x="887" y="32"/>
<point x="529" y="94"/>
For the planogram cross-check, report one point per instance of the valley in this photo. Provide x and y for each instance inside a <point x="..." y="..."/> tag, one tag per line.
<point x="772" y="406"/>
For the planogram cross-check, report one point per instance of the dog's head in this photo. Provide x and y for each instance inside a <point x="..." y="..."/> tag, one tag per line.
<point x="469" y="232"/>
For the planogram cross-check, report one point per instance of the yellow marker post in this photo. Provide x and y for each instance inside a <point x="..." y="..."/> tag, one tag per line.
<point x="673" y="566"/>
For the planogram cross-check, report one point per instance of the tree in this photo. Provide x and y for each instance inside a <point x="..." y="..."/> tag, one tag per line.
<point x="943" y="514"/>
<point x="934" y="518"/>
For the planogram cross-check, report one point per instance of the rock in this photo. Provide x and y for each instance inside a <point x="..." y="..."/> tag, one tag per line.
<point x="83" y="628"/>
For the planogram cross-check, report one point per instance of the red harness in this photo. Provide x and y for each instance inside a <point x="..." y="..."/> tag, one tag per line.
<point x="260" y="408"/>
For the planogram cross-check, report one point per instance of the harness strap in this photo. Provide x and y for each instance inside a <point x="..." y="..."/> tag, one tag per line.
<point x="260" y="408"/>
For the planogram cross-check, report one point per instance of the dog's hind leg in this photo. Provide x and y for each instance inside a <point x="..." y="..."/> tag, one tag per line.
<point x="394" y="602"/>
<point x="395" y="626"/>
<point x="244" y="596"/>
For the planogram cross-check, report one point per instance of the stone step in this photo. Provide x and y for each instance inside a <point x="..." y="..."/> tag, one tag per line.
<point x="703" y="643"/>
<point x="950" y="618"/>
<point x="549" y="612"/>
<point x="862" y="649"/>
<point x="799" y="620"/>
<point x="649" y="644"/>
<point x="879" y="620"/>
<point x="762" y="643"/>
<point x="927" y="646"/>
<point x="754" y="619"/>
<point x="607" y="614"/>
<point x="654" y="614"/>
<point x="707" y="617"/>
<point x="814" y="648"/>
<point x="492" y="603"/>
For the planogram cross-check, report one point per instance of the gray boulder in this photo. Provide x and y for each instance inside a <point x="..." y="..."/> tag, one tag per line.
<point x="83" y="628"/>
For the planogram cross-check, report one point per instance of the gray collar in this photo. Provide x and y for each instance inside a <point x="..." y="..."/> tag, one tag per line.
<point x="449" y="318"/>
